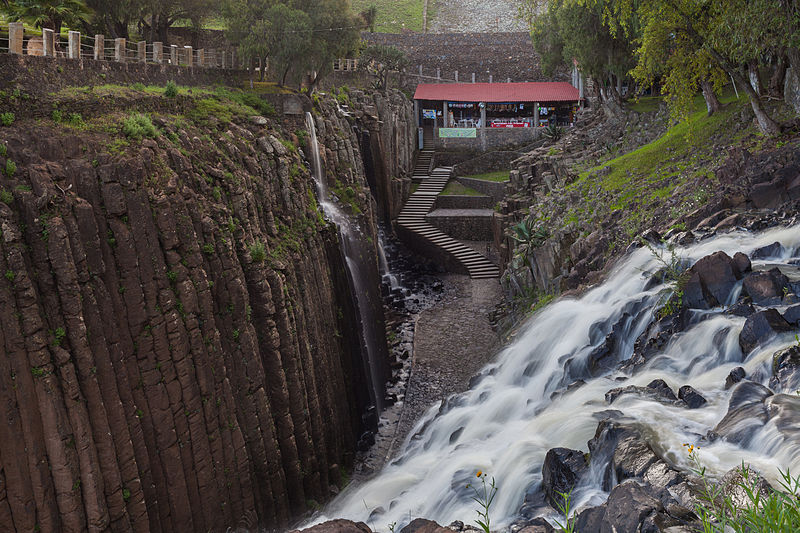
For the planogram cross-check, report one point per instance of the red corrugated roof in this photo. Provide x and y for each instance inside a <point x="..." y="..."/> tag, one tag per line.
<point x="550" y="91"/>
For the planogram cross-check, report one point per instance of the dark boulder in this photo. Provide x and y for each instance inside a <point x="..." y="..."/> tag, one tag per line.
<point x="657" y="390"/>
<point x="538" y="525"/>
<point x="711" y="281"/>
<point x="792" y="315"/>
<point x="786" y="369"/>
<point x="420" y="525"/>
<point x="760" y="328"/>
<point x="561" y="471"/>
<point x="338" y="526"/>
<point x="766" y="288"/>
<point x="742" y="263"/>
<point x="771" y="250"/>
<point x="742" y="309"/>
<point x="735" y="376"/>
<point x="746" y="413"/>
<point x="630" y="508"/>
<point x="691" y="397"/>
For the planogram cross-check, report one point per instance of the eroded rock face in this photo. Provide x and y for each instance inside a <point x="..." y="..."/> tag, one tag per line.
<point x="761" y="327"/>
<point x="561" y="471"/>
<point x="166" y="328"/>
<point x="711" y="281"/>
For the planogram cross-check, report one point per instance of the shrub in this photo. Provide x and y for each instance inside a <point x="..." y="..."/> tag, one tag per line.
<point x="171" y="90"/>
<point x="208" y="248"/>
<point x="56" y="115"/>
<point x="138" y="126"/>
<point x="11" y="168"/>
<point x="258" y="252"/>
<point x="3" y="150"/>
<point x="7" y="119"/>
<point x="75" y="119"/>
<point x="6" y="197"/>
<point x="138" y="86"/>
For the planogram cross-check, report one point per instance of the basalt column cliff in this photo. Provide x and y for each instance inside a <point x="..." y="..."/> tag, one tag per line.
<point x="178" y="334"/>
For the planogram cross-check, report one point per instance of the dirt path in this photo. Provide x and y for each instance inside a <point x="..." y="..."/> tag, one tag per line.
<point x="453" y="340"/>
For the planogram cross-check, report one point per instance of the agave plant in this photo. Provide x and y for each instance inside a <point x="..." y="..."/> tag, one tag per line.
<point x="527" y="237"/>
<point x="553" y="132"/>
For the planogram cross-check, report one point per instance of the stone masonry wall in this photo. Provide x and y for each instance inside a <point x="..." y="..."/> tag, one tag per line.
<point x="41" y="75"/>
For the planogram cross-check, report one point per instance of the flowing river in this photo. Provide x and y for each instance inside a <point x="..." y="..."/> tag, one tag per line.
<point x="508" y="421"/>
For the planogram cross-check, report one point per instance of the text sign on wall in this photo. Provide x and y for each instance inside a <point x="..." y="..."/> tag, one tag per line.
<point x="458" y="133"/>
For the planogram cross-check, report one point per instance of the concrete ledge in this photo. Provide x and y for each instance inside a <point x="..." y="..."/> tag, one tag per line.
<point x="495" y="189"/>
<point x="425" y="248"/>
<point x="457" y="201"/>
<point x="464" y="224"/>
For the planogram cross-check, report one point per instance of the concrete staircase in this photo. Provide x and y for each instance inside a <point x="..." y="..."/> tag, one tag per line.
<point x="411" y="222"/>
<point x="423" y="167"/>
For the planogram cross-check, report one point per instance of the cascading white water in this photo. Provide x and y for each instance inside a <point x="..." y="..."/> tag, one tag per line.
<point x="505" y="425"/>
<point x="386" y="272"/>
<point x="354" y="245"/>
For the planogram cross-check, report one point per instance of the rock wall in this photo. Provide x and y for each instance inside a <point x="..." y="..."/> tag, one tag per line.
<point x="387" y="136"/>
<point x="177" y="327"/>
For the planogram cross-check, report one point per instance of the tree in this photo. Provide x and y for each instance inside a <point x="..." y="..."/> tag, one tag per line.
<point x="370" y="15"/>
<point x="569" y="31"/>
<point x="50" y="14"/>
<point x="734" y="34"/>
<point x="382" y="61"/>
<point x="113" y="18"/>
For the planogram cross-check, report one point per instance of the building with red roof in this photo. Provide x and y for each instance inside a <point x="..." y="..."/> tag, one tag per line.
<point x="482" y="110"/>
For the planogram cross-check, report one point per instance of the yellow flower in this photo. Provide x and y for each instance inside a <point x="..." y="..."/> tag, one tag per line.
<point x="478" y="474"/>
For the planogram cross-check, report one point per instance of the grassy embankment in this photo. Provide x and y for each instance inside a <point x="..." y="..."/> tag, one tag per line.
<point x="658" y="182"/>
<point x="395" y="15"/>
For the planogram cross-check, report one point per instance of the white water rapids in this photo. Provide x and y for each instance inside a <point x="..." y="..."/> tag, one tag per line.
<point x="506" y="424"/>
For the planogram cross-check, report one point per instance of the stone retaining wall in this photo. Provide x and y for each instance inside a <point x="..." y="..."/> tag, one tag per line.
<point x="500" y="55"/>
<point x="456" y="201"/>
<point x="464" y="224"/>
<point x="27" y="72"/>
<point x="489" y="139"/>
<point x="495" y="189"/>
<point x="488" y="162"/>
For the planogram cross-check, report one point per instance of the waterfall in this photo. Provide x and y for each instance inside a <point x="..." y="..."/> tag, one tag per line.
<point x="386" y="273"/>
<point x="509" y="420"/>
<point x="357" y="252"/>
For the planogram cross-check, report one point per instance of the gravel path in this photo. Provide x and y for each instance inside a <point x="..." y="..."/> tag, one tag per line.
<point x="475" y="16"/>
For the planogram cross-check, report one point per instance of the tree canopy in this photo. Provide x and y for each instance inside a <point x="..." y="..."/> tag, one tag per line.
<point x="688" y="45"/>
<point x="382" y="60"/>
<point x="297" y="37"/>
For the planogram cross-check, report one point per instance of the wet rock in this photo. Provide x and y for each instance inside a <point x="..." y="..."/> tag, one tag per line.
<point x="792" y="315"/>
<point x="766" y="288"/>
<point x="734" y="482"/>
<point x="657" y="390"/>
<point x="538" y="525"/>
<point x="742" y="263"/>
<point x="735" y="376"/>
<point x="771" y="250"/>
<point x="420" y="525"/>
<point x="561" y="471"/>
<point x="691" y="397"/>
<point x="629" y="509"/>
<point x="338" y="526"/>
<point x="760" y="328"/>
<point x="711" y="281"/>
<point x="786" y="369"/>
<point x="746" y="413"/>
<point x="742" y="309"/>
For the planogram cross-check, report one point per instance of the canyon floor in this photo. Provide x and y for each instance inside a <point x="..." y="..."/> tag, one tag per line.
<point x="453" y="340"/>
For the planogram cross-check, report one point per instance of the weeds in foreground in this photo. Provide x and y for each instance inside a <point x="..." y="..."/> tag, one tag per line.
<point x="673" y="272"/>
<point x="763" y="509"/>
<point x="569" y="515"/>
<point x="484" y="499"/>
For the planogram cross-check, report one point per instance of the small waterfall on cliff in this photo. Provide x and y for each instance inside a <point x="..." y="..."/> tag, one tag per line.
<point x="521" y="406"/>
<point x="386" y="273"/>
<point x="356" y="251"/>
